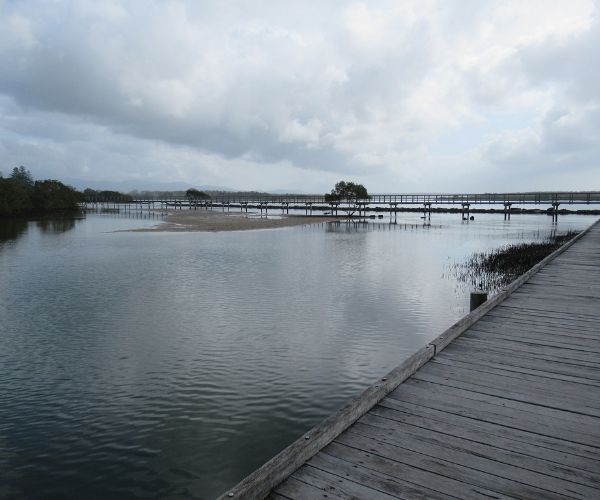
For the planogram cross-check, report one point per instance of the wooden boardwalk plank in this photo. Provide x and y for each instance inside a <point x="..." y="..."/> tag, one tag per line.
<point x="482" y="457"/>
<point x="550" y="317"/>
<point x="484" y="432"/>
<point x="525" y="429"/>
<point x="524" y="310"/>
<point x="447" y="466"/>
<point x="294" y="488"/>
<point x="525" y="361"/>
<point x="537" y="337"/>
<point x="496" y="448"/>
<point x="554" y="395"/>
<point x="474" y="398"/>
<point x="510" y="356"/>
<point x="341" y="486"/>
<point x="504" y="404"/>
<point x="500" y="366"/>
<point x="417" y="476"/>
<point x="378" y="477"/>
<point x="556" y="331"/>
<point x="489" y="342"/>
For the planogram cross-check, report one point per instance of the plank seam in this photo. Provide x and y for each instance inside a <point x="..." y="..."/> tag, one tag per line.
<point x="402" y="446"/>
<point x="508" y="452"/>
<point x="497" y="433"/>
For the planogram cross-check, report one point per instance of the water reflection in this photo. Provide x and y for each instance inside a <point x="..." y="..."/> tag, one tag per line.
<point x="120" y="213"/>
<point x="11" y="229"/>
<point x="57" y="225"/>
<point x="169" y="365"/>
<point x="353" y="226"/>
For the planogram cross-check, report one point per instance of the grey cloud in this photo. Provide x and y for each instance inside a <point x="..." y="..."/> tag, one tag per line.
<point x="565" y="141"/>
<point x="576" y="65"/>
<point x="335" y="88"/>
<point x="271" y="77"/>
<point x="563" y="154"/>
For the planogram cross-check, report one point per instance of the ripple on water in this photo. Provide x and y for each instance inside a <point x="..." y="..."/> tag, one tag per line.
<point x="148" y="365"/>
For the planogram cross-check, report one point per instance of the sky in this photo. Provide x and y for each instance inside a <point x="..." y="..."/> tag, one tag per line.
<point x="401" y="96"/>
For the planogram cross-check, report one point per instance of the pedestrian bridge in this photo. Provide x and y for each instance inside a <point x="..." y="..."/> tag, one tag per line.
<point x="392" y="203"/>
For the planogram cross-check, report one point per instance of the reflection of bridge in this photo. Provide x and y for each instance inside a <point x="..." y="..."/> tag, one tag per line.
<point x="376" y="202"/>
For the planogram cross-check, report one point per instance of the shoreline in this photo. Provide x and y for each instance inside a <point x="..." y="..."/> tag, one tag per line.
<point x="206" y="221"/>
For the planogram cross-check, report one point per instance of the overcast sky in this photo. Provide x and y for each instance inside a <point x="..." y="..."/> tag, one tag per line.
<point x="401" y="96"/>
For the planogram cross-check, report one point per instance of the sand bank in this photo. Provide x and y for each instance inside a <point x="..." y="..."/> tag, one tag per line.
<point x="199" y="220"/>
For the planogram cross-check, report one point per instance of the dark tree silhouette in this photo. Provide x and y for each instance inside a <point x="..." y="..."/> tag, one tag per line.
<point x="54" y="196"/>
<point x="347" y="191"/>
<point x="195" y="194"/>
<point x="20" y="195"/>
<point x="22" y="176"/>
<point x="15" y="197"/>
<point x="104" y="196"/>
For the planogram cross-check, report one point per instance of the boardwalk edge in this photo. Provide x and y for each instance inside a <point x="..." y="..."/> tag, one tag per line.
<point x="441" y="341"/>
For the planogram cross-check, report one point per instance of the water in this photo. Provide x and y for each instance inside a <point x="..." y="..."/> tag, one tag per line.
<point x="164" y="365"/>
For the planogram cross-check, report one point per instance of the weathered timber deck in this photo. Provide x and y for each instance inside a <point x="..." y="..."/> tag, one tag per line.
<point x="509" y="409"/>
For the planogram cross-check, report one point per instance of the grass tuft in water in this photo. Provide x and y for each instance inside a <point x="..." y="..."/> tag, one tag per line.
<point x="493" y="270"/>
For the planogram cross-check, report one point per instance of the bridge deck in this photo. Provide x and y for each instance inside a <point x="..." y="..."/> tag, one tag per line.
<point x="527" y="198"/>
<point x="510" y="408"/>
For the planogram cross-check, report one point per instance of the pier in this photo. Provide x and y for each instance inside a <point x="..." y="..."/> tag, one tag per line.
<point x="505" y="403"/>
<point x="392" y="203"/>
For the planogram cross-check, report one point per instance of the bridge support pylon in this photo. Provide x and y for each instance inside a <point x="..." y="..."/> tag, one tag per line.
<point x="394" y="210"/>
<point x="465" y="211"/>
<point x="427" y="211"/>
<point x="555" y="211"/>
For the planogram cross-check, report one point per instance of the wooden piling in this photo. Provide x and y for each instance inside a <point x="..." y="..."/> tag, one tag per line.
<point x="478" y="297"/>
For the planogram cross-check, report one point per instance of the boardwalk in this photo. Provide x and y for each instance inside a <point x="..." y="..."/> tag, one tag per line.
<point x="392" y="203"/>
<point x="510" y="408"/>
<point x="258" y="200"/>
<point x="524" y="198"/>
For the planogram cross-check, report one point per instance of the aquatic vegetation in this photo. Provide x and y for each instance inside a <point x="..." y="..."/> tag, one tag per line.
<point x="493" y="270"/>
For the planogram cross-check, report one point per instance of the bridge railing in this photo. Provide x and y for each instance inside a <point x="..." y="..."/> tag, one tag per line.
<point x="528" y="198"/>
<point x="525" y="198"/>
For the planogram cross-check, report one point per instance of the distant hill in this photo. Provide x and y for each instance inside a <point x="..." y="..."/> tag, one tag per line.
<point x="145" y="186"/>
<point x="138" y="185"/>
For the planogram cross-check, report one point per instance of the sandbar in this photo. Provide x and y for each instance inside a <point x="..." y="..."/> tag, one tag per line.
<point x="201" y="220"/>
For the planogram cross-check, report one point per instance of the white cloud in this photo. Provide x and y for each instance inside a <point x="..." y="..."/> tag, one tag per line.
<point x="300" y="94"/>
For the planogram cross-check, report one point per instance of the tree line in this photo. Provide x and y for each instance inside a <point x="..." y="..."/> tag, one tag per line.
<point x="93" y="195"/>
<point x="21" y="195"/>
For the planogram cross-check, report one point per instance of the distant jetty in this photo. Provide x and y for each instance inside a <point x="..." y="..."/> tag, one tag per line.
<point x="464" y="204"/>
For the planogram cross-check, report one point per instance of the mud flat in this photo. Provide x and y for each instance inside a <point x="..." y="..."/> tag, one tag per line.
<point x="192" y="220"/>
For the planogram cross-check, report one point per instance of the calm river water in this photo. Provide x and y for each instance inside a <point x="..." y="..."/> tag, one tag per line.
<point x="170" y="365"/>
